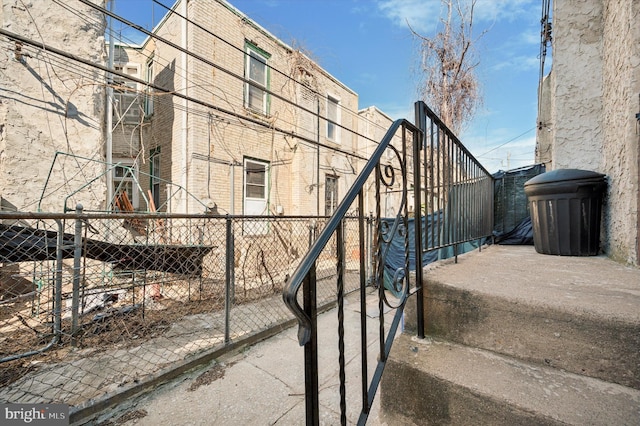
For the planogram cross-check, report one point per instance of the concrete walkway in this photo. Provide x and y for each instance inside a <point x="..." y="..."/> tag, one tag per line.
<point x="264" y="384"/>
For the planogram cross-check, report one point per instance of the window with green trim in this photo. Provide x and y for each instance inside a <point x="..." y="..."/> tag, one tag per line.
<point x="125" y="177"/>
<point x="154" y="172"/>
<point x="256" y="97"/>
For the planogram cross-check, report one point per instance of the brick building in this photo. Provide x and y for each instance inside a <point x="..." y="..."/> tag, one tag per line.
<point x="259" y="129"/>
<point x="218" y="115"/>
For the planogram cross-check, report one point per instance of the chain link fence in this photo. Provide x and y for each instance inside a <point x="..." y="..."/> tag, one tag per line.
<point x="91" y="305"/>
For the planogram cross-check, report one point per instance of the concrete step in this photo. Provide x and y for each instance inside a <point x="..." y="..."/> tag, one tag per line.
<point x="436" y="382"/>
<point x="580" y="314"/>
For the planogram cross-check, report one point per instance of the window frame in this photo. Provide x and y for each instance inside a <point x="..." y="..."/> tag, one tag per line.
<point x="255" y="227"/>
<point x="265" y="180"/>
<point x="154" y="175"/>
<point x="129" y="178"/>
<point x="148" y="106"/>
<point x="254" y="53"/>
<point x="330" y="204"/>
<point x="333" y="122"/>
<point x="126" y="108"/>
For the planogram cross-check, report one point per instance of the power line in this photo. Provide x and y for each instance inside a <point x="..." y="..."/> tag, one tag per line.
<point x="508" y="142"/>
<point x="244" y="119"/>
<point x="67" y="55"/>
<point x="201" y="86"/>
<point x="245" y="54"/>
<point x="208" y="62"/>
<point x="159" y="59"/>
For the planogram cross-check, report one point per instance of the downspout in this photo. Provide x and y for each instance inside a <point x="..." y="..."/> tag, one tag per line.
<point x="368" y="134"/>
<point x="185" y="115"/>
<point x="232" y="209"/>
<point x="109" y="112"/>
<point x="318" y="158"/>
<point x="638" y="190"/>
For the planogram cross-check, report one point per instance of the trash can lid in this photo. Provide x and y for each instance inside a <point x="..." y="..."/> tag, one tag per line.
<point x="563" y="175"/>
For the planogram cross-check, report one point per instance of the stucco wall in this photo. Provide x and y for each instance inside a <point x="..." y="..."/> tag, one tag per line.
<point x="544" y="133"/>
<point x="51" y="104"/>
<point x="590" y="108"/>
<point x="621" y="88"/>
<point x="577" y="51"/>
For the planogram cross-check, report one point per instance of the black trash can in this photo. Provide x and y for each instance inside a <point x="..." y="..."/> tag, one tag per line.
<point x="565" y="207"/>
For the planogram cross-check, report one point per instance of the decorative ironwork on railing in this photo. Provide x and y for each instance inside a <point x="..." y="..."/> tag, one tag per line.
<point x="443" y="202"/>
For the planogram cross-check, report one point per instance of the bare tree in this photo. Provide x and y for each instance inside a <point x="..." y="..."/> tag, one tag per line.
<point x="447" y="66"/>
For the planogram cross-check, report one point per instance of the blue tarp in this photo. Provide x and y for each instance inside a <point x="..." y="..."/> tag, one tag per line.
<point x="522" y="234"/>
<point x="511" y="220"/>
<point x="394" y="250"/>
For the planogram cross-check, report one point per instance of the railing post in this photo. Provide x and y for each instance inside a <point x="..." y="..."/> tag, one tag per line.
<point x="229" y="292"/>
<point x="340" y="296"/>
<point x="369" y="244"/>
<point x="312" y="398"/>
<point x="77" y="260"/>
<point x="417" y="221"/>
<point x="363" y="299"/>
<point x="379" y="266"/>
<point x="373" y="267"/>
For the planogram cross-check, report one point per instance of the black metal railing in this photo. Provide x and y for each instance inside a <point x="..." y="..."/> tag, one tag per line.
<point x="412" y="163"/>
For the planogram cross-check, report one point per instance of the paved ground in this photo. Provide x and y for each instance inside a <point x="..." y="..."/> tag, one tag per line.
<point x="89" y="373"/>
<point x="578" y="283"/>
<point x="264" y="385"/>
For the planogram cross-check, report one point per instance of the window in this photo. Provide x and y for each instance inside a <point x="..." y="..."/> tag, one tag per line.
<point x="333" y="119"/>
<point x="126" y="107"/>
<point x="255" y="195"/>
<point x="154" y="172"/>
<point x="257" y="72"/>
<point x="148" y="99"/>
<point x="125" y="176"/>
<point x="255" y="181"/>
<point x="330" y="194"/>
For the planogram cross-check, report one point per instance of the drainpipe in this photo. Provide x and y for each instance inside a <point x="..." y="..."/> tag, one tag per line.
<point x="232" y="209"/>
<point x="185" y="114"/>
<point x="109" y="112"/>
<point x="638" y="196"/>
<point x="368" y="134"/>
<point x="318" y="158"/>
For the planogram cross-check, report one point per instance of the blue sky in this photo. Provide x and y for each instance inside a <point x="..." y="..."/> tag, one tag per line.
<point x="367" y="45"/>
